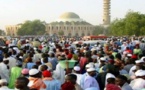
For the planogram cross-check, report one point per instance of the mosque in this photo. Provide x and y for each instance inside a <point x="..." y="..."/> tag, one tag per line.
<point x="69" y="24"/>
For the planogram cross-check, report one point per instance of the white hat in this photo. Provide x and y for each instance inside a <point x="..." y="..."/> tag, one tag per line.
<point x="93" y="49"/>
<point x="102" y="59"/>
<point x="94" y="57"/>
<point x="5" y="59"/>
<point x="3" y="81"/>
<point x="89" y="66"/>
<point x="143" y="58"/>
<point x="125" y="52"/>
<point x="15" y="48"/>
<point x="140" y="73"/>
<point x="91" y="69"/>
<point x="77" y="68"/>
<point x="33" y="72"/>
<point x="139" y="61"/>
<point x="20" y="57"/>
<point x="129" y="55"/>
<point x="110" y="76"/>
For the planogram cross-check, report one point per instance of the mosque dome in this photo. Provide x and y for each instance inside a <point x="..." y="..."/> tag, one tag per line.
<point x="69" y="15"/>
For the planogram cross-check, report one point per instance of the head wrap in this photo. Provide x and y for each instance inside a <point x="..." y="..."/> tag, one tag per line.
<point x="25" y="71"/>
<point x="67" y="86"/>
<point x="46" y="73"/>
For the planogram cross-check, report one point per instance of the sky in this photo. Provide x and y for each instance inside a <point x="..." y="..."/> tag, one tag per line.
<point x="17" y="11"/>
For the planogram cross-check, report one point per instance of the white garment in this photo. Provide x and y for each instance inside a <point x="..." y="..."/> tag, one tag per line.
<point x="12" y="62"/>
<point x="4" y="72"/>
<point x="5" y="88"/>
<point x="79" y="76"/>
<point x="131" y="73"/>
<point x="137" y="84"/>
<point x="91" y="82"/>
<point x="109" y="75"/>
<point x="37" y="57"/>
<point x="59" y="73"/>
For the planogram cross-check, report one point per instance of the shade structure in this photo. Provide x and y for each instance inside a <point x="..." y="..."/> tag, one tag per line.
<point x="71" y="63"/>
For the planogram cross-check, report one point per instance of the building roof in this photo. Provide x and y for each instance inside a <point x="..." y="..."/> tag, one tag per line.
<point x="69" y="18"/>
<point x="69" y="15"/>
<point x="69" y="23"/>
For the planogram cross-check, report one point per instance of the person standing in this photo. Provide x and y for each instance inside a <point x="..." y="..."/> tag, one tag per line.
<point x="139" y="82"/>
<point x="3" y="84"/>
<point x="15" y="73"/>
<point x="35" y="81"/>
<point x="22" y="83"/>
<point x="4" y="70"/>
<point x="51" y="83"/>
<point x="90" y="81"/>
<point x="77" y="73"/>
<point x="122" y="82"/>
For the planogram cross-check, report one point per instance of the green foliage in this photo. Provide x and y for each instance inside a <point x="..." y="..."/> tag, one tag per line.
<point x="61" y="33"/>
<point x="2" y="32"/>
<point x="98" y="30"/>
<point x="132" y="24"/>
<point x="35" y="27"/>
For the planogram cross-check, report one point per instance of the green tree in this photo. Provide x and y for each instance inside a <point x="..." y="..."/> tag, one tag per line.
<point x="2" y="32"/>
<point x="132" y="24"/>
<point x="98" y="30"/>
<point x="35" y="27"/>
<point x="61" y="33"/>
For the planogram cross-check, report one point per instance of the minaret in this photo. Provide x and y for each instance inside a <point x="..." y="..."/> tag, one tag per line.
<point x="106" y="12"/>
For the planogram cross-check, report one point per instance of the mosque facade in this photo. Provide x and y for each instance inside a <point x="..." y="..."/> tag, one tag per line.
<point x="69" y="24"/>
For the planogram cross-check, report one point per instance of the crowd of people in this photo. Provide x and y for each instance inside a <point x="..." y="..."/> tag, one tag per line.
<point x="118" y="64"/>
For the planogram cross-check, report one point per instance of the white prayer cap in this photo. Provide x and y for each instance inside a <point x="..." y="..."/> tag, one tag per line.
<point x="89" y="66"/>
<point x="103" y="59"/>
<point x="129" y="55"/>
<point x="77" y="68"/>
<point x="20" y="57"/>
<point x="110" y="76"/>
<point x="15" y="48"/>
<point x="84" y="51"/>
<point x="3" y="81"/>
<point x="139" y="61"/>
<point x="27" y="40"/>
<point x="93" y="49"/>
<point x="143" y="58"/>
<point x="94" y="57"/>
<point x="35" y="48"/>
<point x="5" y="59"/>
<point x="140" y="73"/>
<point x="33" y="72"/>
<point x="91" y="69"/>
<point x="125" y="52"/>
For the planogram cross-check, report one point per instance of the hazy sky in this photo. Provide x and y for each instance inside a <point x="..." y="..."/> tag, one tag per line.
<point x="17" y="11"/>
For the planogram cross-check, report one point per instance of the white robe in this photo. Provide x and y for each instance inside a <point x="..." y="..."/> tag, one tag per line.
<point x="59" y="73"/>
<point x="4" y="72"/>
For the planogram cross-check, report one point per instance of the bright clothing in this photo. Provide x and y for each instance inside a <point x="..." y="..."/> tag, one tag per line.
<point x="52" y="84"/>
<point x="137" y="84"/>
<point x="15" y="73"/>
<point x="90" y="82"/>
<point x="36" y="83"/>
<point x="112" y="87"/>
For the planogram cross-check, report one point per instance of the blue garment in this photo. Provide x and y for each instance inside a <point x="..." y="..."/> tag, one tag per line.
<point x="52" y="85"/>
<point x="92" y="88"/>
<point x="29" y="65"/>
<point x="1" y="55"/>
<point x="53" y="61"/>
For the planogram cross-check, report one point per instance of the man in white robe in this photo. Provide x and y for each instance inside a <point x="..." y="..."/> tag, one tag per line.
<point x="4" y="71"/>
